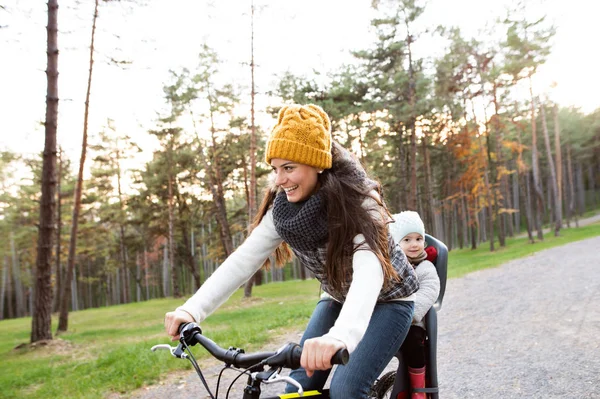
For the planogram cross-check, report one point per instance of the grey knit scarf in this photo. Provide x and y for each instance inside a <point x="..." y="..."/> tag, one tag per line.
<point x="302" y="225"/>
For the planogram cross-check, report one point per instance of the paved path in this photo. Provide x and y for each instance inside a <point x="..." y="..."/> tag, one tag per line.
<point x="527" y="329"/>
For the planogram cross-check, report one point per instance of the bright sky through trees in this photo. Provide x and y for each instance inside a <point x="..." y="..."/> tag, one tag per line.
<point x="166" y="34"/>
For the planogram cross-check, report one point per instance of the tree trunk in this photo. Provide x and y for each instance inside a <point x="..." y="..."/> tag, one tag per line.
<point x="204" y="250"/>
<point x="74" y="296"/>
<point x="526" y="199"/>
<point x="42" y="315"/>
<point x="189" y="255"/>
<point x="537" y="188"/>
<point x="126" y="280"/>
<point x="252" y="193"/>
<point x="580" y="189"/>
<point x="10" y="308"/>
<point x="509" y="205"/>
<point x="109" y="289"/>
<point x="171" y="241"/>
<point x="221" y="214"/>
<point x="486" y="172"/>
<point x="401" y="199"/>
<point x="445" y="227"/>
<point x="63" y="320"/>
<point x="17" y="284"/>
<point x="553" y="178"/>
<point x="495" y="166"/>
<point x="466" y="219"/>
<point x="90" y="297"/>
<point x="559" y="182"/>
<point x="117" y="287"/>
<point x="474" y="224"/>
<point x="428" y="192"/>
<point x="217" y="190"/>
<point x="412" y="194"/>
<point x="483" y="225"/>
<point x="165" y="271"/>
<point x="146" y="274"/>
<point x="3" y="290"/>
<point x="591" y="183"/>
<point x="566" y="194"/>
<point x="138" y="279"/>
<point x="256" y="278"/>
<point x="59" y="277"/>
<point x="122" y="218"/>
<point x="516" y="192"/>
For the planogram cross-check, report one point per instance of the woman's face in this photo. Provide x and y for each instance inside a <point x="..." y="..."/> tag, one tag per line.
<point x="412" y="244"/>
<point x="299" y="181"/>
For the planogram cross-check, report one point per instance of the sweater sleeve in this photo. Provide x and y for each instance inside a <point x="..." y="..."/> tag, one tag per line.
<point x="429" y="289"/>
<point x="367" y="281"/>
<point x="236" y="270"/>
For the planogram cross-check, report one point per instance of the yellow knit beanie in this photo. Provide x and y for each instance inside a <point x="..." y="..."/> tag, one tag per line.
<point x="302" y="134"/>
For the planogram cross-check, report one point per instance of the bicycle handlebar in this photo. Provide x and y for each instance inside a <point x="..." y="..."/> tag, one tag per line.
<point x="287" y="356"/>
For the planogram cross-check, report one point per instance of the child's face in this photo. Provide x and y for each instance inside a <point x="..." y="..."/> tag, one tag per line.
<point x="412" y="244"/>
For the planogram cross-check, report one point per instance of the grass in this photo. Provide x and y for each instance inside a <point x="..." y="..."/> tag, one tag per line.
<point x="108" y="349"/>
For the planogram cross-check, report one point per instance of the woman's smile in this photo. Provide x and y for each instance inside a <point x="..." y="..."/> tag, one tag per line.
<point x="299" y="181"/>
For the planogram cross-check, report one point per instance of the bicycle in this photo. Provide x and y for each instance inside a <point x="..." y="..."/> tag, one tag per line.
<point x="253" y="364"/>
<point x="260" y="367"/>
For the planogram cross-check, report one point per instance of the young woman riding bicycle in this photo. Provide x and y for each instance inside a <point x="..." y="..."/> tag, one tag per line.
<point x="332" y="216"/>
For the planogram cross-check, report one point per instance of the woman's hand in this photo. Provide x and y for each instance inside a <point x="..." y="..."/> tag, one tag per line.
<point x="317" y="353"/>
<point x="173" y="320"/>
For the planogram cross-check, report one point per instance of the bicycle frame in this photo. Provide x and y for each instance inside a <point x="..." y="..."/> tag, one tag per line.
<point x="310" y="394"/>
<point x="253" y="390"/>
<point x="252" y="393"/>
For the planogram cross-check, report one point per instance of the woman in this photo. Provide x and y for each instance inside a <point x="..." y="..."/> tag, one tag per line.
<point x="326" y="209"/>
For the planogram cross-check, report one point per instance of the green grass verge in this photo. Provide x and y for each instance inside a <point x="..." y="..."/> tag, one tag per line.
<point x="108" y="349"/>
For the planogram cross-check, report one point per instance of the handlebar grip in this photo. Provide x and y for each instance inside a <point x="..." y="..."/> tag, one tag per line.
<point x="181" y="327"/>
<point x="341" y="357"/>
<point x="187" y="332"/>
<point x="289" y="356"/>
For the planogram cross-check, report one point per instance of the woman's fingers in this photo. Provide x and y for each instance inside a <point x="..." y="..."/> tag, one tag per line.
<point x="173" y="320"/>
<point x="317" y="353"/>
<point x="307" y="360"/>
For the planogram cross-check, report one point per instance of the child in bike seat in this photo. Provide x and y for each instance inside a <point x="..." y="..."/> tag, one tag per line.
<point x="409" y="232"/>
<point x="331" y="214"/>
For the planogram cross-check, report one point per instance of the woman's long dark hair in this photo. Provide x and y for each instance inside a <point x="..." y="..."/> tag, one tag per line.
<point x="346" y="188"/>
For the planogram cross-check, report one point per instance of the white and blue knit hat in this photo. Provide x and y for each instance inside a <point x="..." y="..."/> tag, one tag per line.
<point x="405" y="223"/>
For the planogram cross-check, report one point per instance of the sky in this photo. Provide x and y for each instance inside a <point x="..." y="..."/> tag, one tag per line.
<point x="289" y="36"/>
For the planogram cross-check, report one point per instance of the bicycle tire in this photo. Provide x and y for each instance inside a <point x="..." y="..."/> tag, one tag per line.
<point x="382" y="389"/>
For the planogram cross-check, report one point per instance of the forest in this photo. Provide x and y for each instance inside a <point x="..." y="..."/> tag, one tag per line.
<point x="465" y="139"/>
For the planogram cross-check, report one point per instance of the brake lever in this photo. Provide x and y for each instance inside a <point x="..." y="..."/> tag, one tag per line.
<point x="176" y="351"/>
<point x="276" y="378"/>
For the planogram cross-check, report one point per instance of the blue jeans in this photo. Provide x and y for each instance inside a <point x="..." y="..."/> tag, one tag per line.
<point x="387" y="329"/>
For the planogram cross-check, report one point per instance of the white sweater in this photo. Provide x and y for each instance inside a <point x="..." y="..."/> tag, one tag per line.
<point x="350" y="326"/>
<point x="429" y="289"/>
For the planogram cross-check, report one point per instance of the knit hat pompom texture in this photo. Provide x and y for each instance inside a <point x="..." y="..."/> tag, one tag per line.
<point x="405" y="223"/>
<point x="302" y="134"/>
